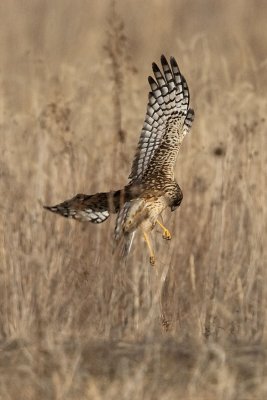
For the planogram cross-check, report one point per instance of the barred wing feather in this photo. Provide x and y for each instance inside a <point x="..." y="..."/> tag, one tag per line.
<point x="82" y="207"/>
<point x="169" y="95"/>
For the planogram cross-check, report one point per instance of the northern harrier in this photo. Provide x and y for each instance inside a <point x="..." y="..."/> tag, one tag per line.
<point x="152" y="187"/>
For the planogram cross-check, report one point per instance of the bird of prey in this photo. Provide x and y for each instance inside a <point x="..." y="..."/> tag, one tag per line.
<point x="152" y="187"/>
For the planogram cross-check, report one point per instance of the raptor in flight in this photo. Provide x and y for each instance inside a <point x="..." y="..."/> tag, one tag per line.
<point x="152" y="187"/>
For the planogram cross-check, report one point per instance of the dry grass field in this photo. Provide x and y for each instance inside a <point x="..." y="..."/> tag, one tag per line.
<point x="74" y="322"/>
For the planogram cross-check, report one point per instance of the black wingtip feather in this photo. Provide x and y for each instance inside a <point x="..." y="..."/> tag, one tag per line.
<point x="174" y="63"/>
<point x="151" y="81"/>
<point x="50" y="208"/>
<point x="155" y="67"/>
<point x="163" y="60"/>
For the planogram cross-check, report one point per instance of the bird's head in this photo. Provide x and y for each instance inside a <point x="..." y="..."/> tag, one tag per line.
<point x="176" y="205"/>
<point x="177" y="200"/>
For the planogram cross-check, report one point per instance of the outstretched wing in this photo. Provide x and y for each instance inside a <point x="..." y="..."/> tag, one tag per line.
<point x="167" y="109"/>
<point x="97" y="207"/>
<point x="83" y="207"/>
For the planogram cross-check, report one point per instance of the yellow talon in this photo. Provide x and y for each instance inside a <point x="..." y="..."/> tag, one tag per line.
<point x="166" y="233"/>
<point x="151" y="252"/>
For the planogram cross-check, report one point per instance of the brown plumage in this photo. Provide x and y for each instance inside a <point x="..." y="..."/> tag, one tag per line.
<point x="152" y="187"/>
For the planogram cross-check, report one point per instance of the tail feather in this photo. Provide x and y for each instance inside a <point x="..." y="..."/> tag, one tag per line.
<point x="123" y="246"/>
<point x="128" y="219"/>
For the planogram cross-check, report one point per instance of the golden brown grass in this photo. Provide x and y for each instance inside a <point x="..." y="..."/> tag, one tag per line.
<point x="74" y="324"/>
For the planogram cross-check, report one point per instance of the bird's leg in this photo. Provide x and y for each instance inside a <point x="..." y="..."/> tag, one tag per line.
<point x="166" y="233"/>
<point x="151" y="252"/>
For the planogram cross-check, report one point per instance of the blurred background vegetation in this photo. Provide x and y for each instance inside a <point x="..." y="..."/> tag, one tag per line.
<point x="75" y="323"/>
